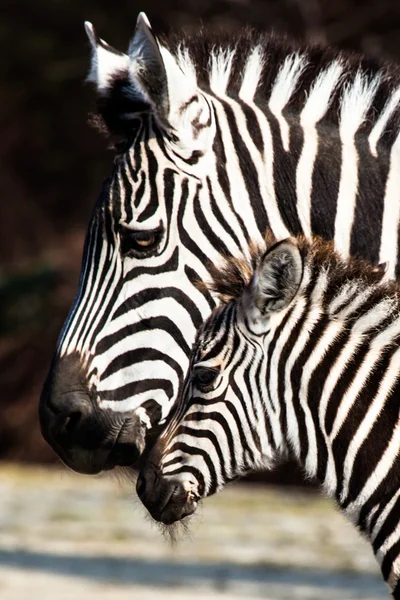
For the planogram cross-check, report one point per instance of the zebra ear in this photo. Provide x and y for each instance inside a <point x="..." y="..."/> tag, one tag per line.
<point x="110" y="72"/>
<point x="274" y="284"/>
<point x="168" y="82"/>
<point x="148" y="73"/>
<point x="150" y="78"/>
<point x="107" y="62"/>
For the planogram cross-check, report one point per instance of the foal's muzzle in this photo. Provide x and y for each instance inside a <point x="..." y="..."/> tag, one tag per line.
<point x="167" y="498"/>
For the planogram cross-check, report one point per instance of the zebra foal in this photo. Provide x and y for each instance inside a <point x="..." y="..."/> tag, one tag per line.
<point x="301" y="358"/>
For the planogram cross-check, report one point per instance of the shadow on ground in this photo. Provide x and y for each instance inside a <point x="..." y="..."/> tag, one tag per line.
<point x="125" y="570"/>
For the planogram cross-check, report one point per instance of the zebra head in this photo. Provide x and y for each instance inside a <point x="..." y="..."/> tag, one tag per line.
<point x="124" y="348"/>
<point x="220" y="430"/>
<point x="222" y="139"/>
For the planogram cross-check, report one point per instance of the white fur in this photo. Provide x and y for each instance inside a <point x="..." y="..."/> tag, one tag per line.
<point x="314" y="110"/>
<point x="385" y="464"/>
<point x="381" y="123"/>
<point x="75" y="340"/>
<point x="372" y="414"/>
<point x="253" y="70"/>
<point x="374" y="317"/>
<point x="182" y="85"/>
<point x="105" y="62"/>
<point x="383" y="515"/>
<point x="266" y="175"/>
<point x="337" y="369"/>
<point x="347" y="292"/>
<point x="330" y="335"/>
<point x="265" y="170"/>
<point x="220" y="69"/>
<point x="275" y="358"/>
<point x="368" y="365"/>
<point x="349" y="308"/>
<point x="284" y="87"/>
<point x="356" y="101"/>
<point x="239" y="191"/>
<point x="391" y="212"/>
<point x="293" y="426"/>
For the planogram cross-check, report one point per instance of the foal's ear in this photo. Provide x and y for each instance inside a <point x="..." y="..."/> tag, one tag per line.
<point x="273" y="286"/>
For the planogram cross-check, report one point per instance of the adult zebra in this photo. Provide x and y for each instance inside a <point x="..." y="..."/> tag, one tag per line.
<point x="222" y="140"/>
<point x="303" y="359"/>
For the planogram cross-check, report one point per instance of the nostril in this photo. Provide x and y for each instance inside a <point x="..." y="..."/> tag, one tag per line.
<point x="140" y="485"/>
<point x="72" y="421"/>
<point x="66" y="424"/>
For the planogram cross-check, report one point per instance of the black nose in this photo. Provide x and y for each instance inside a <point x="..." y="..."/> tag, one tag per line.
<point x="64" y="418"/>
<point x="65" y="403"/>
<point x="88" y="439"/>
<point x="69" y="420"/>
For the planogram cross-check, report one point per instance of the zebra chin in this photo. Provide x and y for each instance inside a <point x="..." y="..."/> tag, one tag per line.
<point x="167" y="499"/>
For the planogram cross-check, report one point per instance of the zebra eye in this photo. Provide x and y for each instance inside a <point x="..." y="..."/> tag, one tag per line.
<point x="145" y="240"/>
<point x="139" y="243"/>
<point x="204" y="378"/>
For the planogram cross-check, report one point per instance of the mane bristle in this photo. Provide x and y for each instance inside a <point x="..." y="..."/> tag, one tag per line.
<point x="222" y="59"/>
<point x="230" y="277"/>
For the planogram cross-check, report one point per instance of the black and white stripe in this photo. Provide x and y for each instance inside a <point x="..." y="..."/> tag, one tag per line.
<point x="304" y="361"/>
<point x="223" y="140"/>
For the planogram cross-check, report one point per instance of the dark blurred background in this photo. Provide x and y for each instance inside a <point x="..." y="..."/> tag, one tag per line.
<point x="52" y="163"/>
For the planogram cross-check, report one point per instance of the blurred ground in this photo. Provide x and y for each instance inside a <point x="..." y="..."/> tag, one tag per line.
<point x="67" y="537"/>
<point x="52" y="163"/>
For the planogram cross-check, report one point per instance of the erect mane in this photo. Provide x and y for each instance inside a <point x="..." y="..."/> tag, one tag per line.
<point x="209" y="52"/>
<point x="206" y="48"/>
<point x="221" y="59"/>
<point x="230" y="277"/>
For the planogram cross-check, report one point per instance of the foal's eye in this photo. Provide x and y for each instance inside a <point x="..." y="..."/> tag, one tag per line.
<point x="140" y="243"/>
<point x="204" y="378"/>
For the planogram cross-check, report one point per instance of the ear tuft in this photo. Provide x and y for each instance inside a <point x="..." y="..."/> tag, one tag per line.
<point x="92" y="35"/>
<point x="142" y="17"/>
<point x="143" y="31"/>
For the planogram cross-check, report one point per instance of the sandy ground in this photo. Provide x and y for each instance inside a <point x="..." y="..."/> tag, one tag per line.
<point x="65" y="536"/>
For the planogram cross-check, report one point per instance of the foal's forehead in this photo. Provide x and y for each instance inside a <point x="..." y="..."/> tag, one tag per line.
<point x="213" y="332"/>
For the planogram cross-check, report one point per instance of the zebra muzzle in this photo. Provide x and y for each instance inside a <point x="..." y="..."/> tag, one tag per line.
<point x="167" y="499"/>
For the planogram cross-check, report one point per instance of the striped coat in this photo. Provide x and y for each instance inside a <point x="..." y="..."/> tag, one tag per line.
<point x="302" y="359"/>
<point x="219" y="141"/>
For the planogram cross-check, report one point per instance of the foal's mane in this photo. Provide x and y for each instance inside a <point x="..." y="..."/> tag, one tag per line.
<point x="229" y="277"/>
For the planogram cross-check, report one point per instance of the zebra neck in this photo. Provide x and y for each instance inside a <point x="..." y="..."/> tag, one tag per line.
<point x="381" y="524"/>
<point x="360" y="473"/>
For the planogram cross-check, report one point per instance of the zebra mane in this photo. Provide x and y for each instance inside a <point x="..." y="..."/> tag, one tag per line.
<point x="230" y="277"/>
<point x="277" y="73"/>
<point x="223" y="61"/>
